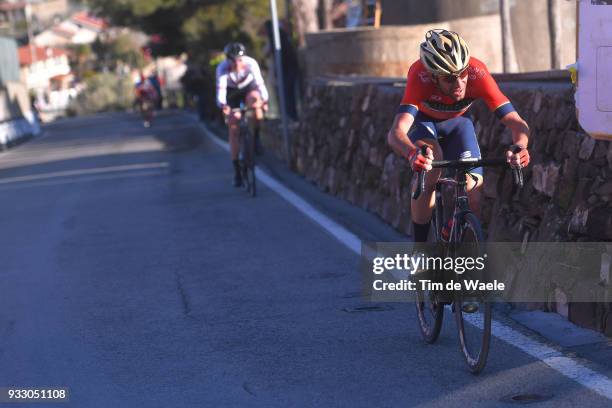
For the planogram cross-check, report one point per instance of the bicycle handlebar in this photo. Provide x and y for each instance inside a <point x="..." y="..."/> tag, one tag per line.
<point x="465" y="164"/>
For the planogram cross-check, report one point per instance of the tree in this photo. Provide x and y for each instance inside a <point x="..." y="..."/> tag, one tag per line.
<point x="81" y="58"/>
<point x="554" y="25"/>
<point x="305" y="16"/>
<point x="196" y="26"/>
<point x="123" y="50"/>
<point x="508" y="54"/>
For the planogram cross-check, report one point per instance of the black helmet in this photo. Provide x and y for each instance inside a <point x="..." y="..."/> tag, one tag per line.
<point x="234" y="50"/>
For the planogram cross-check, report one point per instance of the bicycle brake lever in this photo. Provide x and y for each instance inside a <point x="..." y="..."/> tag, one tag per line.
<point x="420" y="185"/>
<point x="517" y="171"/>
<point x="421" y="178"/>
<point x="517" y="174"/>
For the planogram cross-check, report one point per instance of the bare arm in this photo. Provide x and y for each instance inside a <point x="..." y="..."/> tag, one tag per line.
<point x="518" y="127"/>
<point x="520" y="136"/>
<point x="398" y="135"/>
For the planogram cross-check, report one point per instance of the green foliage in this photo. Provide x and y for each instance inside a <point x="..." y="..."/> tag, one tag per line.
<point x="123" y="50"/>
<point x="104" y="92"/>
<point x="196" y="26"/>
<point x="81" y="58"/>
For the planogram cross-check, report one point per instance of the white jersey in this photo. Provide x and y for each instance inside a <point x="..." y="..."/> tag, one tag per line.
<point x="226" y="78"/>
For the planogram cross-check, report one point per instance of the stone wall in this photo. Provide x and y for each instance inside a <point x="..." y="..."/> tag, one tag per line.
<point x="341" y="146"/>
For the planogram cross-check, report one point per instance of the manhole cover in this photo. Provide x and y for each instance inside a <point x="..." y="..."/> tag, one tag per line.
<point x="527" y="398"/>
<point x="367" y="308"/>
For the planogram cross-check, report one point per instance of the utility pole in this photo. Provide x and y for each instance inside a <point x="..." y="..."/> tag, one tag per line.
<point x="508" y="54"/>
<point x="28" y="15"/>
<point x="280" y="79"/>
<point x="554" y="26"/>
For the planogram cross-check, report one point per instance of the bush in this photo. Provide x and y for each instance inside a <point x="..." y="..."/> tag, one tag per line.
<point x="103" y="92"/>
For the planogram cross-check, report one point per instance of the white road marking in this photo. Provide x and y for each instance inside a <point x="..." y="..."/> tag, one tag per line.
<point x="566" y="366"/>
<point x="553" y="358"/>
<point x="350" y="240"/>
<point x="85" y="179"/>
<point x="82" y="172"/>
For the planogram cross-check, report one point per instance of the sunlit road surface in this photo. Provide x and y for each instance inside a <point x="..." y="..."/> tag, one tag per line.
<point x="134" y="274"/>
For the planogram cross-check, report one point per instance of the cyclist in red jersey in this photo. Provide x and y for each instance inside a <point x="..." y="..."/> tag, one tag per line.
<point x="440" y="88"/>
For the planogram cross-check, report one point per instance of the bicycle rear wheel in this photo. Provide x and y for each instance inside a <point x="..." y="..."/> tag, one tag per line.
<point x="472" y="310"/>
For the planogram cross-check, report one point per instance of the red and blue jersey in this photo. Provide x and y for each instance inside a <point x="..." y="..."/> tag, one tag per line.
<point x="423" y="95"/>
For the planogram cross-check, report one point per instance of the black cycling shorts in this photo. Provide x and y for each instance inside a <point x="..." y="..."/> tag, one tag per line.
<point x="236" y="96"/>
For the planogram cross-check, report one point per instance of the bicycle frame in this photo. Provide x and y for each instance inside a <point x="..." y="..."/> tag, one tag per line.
<point x="461" y="201"/>
<point x="246" y="154"/>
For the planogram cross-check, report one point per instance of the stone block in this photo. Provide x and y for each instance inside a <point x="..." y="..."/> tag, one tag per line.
<point x="605" y="189"/>
<point x="352" y="139"/>
<point x="365" y="147"/>
<point x="372" y="133"/>
<point x="545" y="178"/>
<point x="566" y="187"/>
<point x="571" y="143"/>
<point x="586" y="148"/>
<point x="537" y="101"/>
<point x="601" y="149"/>
<point x="578" y="219"/>
<point x="330" y="180"/>
<point x="365" y="104"/>
<point x="599" y="223"/>
<point x="372" y="156"/>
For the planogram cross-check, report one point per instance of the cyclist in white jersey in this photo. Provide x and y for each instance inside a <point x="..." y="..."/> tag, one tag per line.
<point x="239" y="81"/>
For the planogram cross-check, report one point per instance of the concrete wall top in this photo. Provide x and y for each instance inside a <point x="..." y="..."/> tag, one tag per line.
<point x="389" y="51"/>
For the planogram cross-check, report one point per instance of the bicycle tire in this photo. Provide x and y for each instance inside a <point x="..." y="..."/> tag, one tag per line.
<point x="251" y="164"/>
<point x="429" y="328"/>
<point x="146" y="110"/>
<point x="475" y="356"/>
<point x="244" y="166"/>
<point x="430" y="331"/>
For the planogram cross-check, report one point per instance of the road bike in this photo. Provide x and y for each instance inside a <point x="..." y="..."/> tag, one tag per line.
<point x="246" y="156"/>
<point x="146" y="105"/>
<point x="457" y="229"/>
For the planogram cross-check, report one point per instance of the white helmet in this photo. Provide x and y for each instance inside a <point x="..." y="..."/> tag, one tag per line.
<point x="444" y="52"/>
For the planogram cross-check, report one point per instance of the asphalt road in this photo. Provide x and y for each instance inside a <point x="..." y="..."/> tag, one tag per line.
<point x="134" y="274"/>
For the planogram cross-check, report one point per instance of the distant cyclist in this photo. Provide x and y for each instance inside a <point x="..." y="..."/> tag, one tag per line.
<point x="146" y="98"/>
<point x="440" y="88"/>
<point x="239" y="81"/>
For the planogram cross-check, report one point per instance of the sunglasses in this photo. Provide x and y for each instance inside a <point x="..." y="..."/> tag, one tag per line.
<point x="453" y="77"/>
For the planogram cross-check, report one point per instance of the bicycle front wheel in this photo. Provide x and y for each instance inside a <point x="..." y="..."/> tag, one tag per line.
<point x="430" y="314"/>
<point x="250" y="162"/>
<point x="472" y="310"/>
<point x="429" y="304"/>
